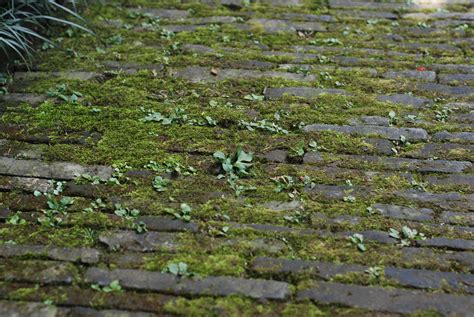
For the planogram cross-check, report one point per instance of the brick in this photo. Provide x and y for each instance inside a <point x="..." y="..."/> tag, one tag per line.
<point x="16" y="99"/>
<point x="391" y="133"/>
<point x="52" y="170"/>
<point x="348" y="4"/>
<point x="158" y="223"/>
<point x="212" y="286"/>
<point x="22" y="309"/>
<point x="388" y="300"/>
<point x="454" y="136"/>
<point x="274" y="25"/>
<point x="146" y="242"/>
<point x="425" y="76"/>
<point x="406" y="99"/>
<point x="203" y="74"/>
<point x="446" y="90"/>
<point x="406" y="213"/>
<point x="457" y="217"/>
<point x="82" y="255"/>
<point x="456" y="79"/>
<point x="303" y="92"/>
<point x="163" y="13"/>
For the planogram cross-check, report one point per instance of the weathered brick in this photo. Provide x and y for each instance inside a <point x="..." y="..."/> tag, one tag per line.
<point x="454" y="136"/>
<point x="387" y="300"/>
<point x="423" y="279"/>
<point x="456" y="79"/>
<point x="273" y="25"/>
<point x="23" y="309"/>
<point x="159" y="223"/>
<point x="146" y="242"/>
<point x="203" y="74"/>
<point x="53" y="170"/>
<point x="212" y="286"/>
<point x="406" y="99"/>
<point x="407" y="213"/>
<point x="457" y="217"/>
<point x="421" y="166"/>
<point x="426" y="76"/>
<point x="348" y="4"/>
<point x="391" y="133"/>
<point x="304" y="92"/>
<point x="446" y="90"/>
<point x="163" y="13"/>
<point x="24" y="183"/>
<point x="83" y="255"/>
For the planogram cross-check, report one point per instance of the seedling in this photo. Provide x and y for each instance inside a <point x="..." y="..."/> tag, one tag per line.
<point x="263" y="125"/>
<point x="392" y="118"/>
<point x="179" y="269"/>
<point x="139" y="227"/>
<point x="442" y="115"/>
<point x="125" y="212"/>
<point x="406" y="236"/>
<point x="236" y="164"/>
<point x="16" y="220"/>
<point x="160" y="184"/>
<point x="374" y="272"/>
<point x="298" y="150"/>
<point x="254" y="97"/>
<point x="95" y="205"/>
<point x="113" y="287"/>
<point x="358" y="240"/>
<point x="184" y="213"/>
<point x="64" y="93"/>
<point x="171" y="165"/>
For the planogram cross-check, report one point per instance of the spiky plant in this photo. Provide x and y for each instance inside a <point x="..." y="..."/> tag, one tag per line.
<point x="24" y="21"/>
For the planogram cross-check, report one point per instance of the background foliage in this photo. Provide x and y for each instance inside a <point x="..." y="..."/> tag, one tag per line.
<point x="26" y="22"/>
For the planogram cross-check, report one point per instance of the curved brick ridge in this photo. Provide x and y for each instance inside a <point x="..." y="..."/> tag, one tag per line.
<point x="213" y="286"/>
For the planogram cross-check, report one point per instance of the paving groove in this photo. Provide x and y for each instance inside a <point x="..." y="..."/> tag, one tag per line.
<point x="360" y="200"/>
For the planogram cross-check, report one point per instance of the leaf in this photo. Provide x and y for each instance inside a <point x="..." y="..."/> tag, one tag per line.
<point x="219" y="155"/>
<point x="242" y="156"/>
